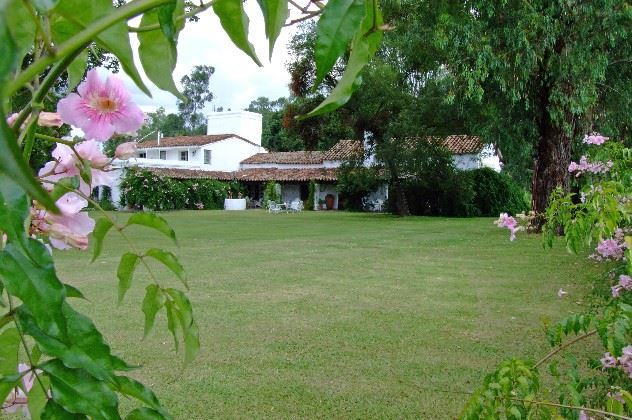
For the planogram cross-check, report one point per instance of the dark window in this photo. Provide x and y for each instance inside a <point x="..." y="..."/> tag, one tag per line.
<point x="142" y="155"/>
<point x="163" y="154"/>
<point x="207" y="157"/>
<point x="184" y="155"/>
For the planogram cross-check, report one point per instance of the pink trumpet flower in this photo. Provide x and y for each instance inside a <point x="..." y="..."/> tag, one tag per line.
<point x="101" y="109"/>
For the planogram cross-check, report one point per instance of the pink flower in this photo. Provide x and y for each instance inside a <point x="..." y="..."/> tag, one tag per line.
<point x="125" y="151"/>
<point x="561" y="293"/>
<point x="68" y="231"/>
<point x="71" y="203"/>
<point x="11" y="118"/>
<point x="616" y="291"/>
<point x="506" y="221"/>
<point x="608" y="361"/>
<point x="49" y="119"/>
<point x="610" y="248"/>
<point x="625" y="281"/>
<point x="67" y="164"/>
<point x="596" y="139"/>
<point x="101" y="109"/>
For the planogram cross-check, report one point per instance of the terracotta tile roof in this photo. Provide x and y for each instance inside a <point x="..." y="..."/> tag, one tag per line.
<point x="461" y="144"/>
<point x="286" y="175"/>
<point x="188" y="141"/>
<point x="304" y="157"/>
<point x="345" y="150"/>
<point x="191" y="173"/>
<point x="252" y="175"/>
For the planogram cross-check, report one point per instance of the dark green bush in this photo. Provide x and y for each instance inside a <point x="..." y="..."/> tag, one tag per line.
<point x="355" y="182"/>
<point x="141" y="188"/>
<point x="272" y="192"/>
<point x="450" y="194"/>
<point x="495" y="193"/>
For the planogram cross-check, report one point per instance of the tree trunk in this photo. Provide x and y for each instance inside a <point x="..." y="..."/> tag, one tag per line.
<point x="400" y="196"/>
<point x="551" y="166"/>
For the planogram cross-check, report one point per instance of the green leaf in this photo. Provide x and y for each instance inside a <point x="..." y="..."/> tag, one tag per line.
<point x="184" y="313"/>
<point x="153" y="302"/>
<point x="139" y="391"/>
<point x="172" y="322"/>
<point x="235" y="22"/>
<point x="125" y="272"/>
<point x="62" y="30"/>
<point x="21" y="26"/>
<point x="364" y="46"/>
<point x="115" y="39"/>
<point x="85" y="349"/>
<point x="79" y="392"/>
<point x="35" y="284"/>
<point x="144" y="413"/>
<point x="9" y="345"/>
<point x="170" y="261"/>
<point x="8" y="49"/>
<point x="336" y="28"/>
<point x="73" y="292"/>
<point x="37" y="397"/>
<point x="12" y="163"/>
<point x="275" y="13"/>
<point x="101" y="228"/>
<point x="64" y="186"/>
<point x="77" y="69"/>
<point x="14" y="208"/>
<point x="153" y="221"/>
<point x="54" y="411"/>
<point x="158" y="55"/>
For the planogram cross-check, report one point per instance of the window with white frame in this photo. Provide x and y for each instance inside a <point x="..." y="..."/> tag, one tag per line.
<point x="184" y="155"/>
<point x="207" y="157"/>
<point x="163" y="154"/>
<point x="142" y="155"/>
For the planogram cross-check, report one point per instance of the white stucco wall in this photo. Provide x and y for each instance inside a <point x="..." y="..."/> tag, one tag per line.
<point x="225" y="155"/>
<point x="323" y="189"/>
<point x="466" y="162"/>
<point x="290" y="192"/>
<point x="280" y="165"/>
<point x="243" y="123"/>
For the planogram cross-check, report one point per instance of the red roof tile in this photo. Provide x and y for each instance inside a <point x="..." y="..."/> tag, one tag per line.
<point x="191" y="173"/>
<point x="345" y="150"/>
<point x="251" y="175"/>
<point x="304" y="157"/>
<point x="183" y="141"/>
<point x="457" y="144"/>
<point x="286" y="175"/>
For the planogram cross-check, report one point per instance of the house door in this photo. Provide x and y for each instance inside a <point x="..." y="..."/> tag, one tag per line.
<point x="304" y="191"/>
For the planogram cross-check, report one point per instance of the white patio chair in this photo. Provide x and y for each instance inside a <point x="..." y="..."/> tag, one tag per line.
<point x="296" y="206"/>
<point x="274" y="207"/>
<point x="378" y="205"/>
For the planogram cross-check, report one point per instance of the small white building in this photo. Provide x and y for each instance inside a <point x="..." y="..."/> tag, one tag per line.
<point x="232" y="150"/>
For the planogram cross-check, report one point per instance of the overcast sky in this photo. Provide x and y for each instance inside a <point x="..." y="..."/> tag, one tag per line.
<point x="237" y="79"/>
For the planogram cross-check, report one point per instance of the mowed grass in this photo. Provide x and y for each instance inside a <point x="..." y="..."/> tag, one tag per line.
<point x="333" y="314"/>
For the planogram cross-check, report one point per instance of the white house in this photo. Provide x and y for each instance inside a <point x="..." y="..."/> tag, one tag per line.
<point x="232" y="150"/>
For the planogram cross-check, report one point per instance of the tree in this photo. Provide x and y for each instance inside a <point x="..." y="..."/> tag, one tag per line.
<point x="168" y="125"/>
<point x="559" y="69"/>
<point x="195" y="87"/>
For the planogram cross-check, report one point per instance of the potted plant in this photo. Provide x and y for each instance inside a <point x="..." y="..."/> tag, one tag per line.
<point x="321" y="204"/>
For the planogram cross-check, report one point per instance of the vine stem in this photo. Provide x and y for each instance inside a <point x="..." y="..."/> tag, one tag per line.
<point x="52" y="139"/>
<point x="118" y="227"/>
<point x="563" y="347"/>
<point x="199" y="9"/>
<point x="24" y="345"/>
<point x="85" y="36"/>
<point x="573" y="407"/>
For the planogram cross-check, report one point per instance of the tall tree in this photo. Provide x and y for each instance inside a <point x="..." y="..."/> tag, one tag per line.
<point x="195" y="87"/>
<point x="558" y="68"/>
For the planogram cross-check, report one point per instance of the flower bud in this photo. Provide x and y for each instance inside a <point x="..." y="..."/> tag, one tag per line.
<point x="49" y="119"/>
<point x="125" y="151"/>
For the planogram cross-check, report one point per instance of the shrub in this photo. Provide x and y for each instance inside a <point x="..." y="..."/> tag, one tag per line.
<point x="448" y="194"/>
<point x="272" y="192"/>
<point x="141" y="188"/>
<point x="495" y="193"/>
<point x="355" y="182"/>
<point x="311" y="192"/>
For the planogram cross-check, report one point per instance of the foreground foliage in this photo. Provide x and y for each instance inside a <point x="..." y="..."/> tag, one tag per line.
<point x="598" y="219"/>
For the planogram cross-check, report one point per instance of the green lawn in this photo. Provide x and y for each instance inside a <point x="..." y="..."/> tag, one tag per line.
<point x="324" y="314"/>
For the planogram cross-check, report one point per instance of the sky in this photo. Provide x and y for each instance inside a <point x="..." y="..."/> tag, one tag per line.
<point x="237" y="79"/>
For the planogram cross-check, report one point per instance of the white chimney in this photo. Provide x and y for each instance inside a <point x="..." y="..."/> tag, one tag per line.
<point x="242" y="123"/>
<point x="159" y="136"/>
